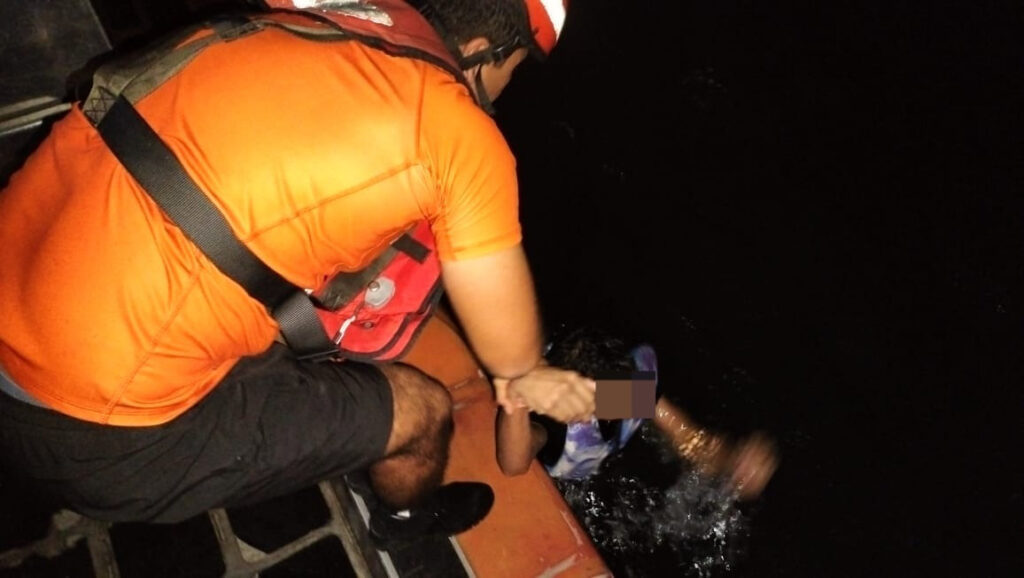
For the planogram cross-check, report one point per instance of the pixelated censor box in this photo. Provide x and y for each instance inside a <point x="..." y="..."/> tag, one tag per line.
<point x="626" y="395"/>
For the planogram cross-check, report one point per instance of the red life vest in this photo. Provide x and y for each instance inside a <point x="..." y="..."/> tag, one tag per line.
<point x="383" y="319"/>
<point x="390" y="25"/>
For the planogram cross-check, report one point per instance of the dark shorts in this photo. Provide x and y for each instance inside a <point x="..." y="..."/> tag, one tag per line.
<point x="273" y="425"/>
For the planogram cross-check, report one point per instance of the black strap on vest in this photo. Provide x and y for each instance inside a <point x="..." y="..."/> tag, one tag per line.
<point x="153" y="165"/>
<point x="158" y="171"/>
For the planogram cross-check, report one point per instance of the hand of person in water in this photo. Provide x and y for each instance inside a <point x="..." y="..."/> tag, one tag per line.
<point x="562" y="394"/>
<point x="750" y="464"/>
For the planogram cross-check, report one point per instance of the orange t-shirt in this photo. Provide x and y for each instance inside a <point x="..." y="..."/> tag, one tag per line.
<point x="318" y="153"/>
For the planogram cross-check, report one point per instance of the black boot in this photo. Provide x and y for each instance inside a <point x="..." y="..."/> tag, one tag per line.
<point x="452" y="509"/>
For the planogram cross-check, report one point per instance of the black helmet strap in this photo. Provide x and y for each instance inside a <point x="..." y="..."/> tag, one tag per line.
<point x="482" y="98"/>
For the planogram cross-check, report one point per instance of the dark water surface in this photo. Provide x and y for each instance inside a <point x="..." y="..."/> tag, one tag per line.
<point x="814" y="213"/>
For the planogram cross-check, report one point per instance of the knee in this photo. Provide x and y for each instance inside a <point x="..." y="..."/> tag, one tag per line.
<point x="422" y="406"/>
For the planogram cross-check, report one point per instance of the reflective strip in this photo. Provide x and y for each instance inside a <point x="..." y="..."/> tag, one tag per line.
<point x="556" y="13"/>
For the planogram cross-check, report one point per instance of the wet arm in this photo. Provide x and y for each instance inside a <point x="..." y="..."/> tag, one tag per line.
<point x="518" y="441"/>
<point x="748" y="465"/>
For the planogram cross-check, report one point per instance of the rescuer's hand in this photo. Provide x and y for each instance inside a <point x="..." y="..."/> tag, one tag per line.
<point x="562" y="394"/>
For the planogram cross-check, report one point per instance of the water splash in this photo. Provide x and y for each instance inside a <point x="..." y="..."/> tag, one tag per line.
<point x="687" y="526"/>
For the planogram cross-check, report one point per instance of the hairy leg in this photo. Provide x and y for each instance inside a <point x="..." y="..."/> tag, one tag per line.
<point x="417" y="449"/>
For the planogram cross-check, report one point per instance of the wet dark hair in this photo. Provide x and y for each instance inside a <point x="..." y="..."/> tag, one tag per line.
<point x="591" y="351"/>
<point x="502" y="22"/>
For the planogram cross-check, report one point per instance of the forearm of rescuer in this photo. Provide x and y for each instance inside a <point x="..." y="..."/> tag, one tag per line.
<point x="494" y="300"/>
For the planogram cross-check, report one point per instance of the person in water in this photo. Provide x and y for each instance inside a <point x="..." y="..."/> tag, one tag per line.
<point x="577" y="450"/>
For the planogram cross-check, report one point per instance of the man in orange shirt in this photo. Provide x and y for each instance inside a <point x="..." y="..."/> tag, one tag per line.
<point x="163" y="389"/>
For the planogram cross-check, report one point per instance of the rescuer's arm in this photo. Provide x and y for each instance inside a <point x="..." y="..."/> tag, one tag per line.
<point x="494" y="300"/>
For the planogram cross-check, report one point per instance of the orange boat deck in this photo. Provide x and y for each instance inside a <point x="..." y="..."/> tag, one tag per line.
<point x="530" y="531"/>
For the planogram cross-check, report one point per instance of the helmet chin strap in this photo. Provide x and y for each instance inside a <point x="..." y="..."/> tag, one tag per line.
<point x="482" y="98"/>
<point x="494" y="54"/>
<point x="479" y="59"/>
<point x="490" y="55"/>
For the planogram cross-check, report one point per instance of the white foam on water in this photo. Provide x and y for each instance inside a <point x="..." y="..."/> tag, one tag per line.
<point x="692" y="526"/>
